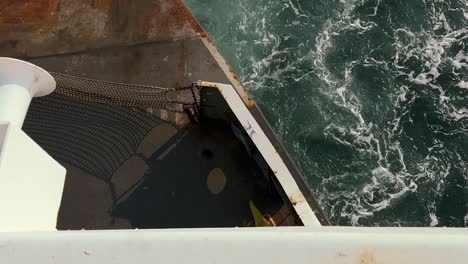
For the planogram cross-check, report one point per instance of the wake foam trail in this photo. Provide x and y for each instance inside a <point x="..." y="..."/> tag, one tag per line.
<point x="390" y="182"/>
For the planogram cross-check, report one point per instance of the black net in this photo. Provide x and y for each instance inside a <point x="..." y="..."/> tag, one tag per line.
<point x="96" y="126"/>
<point x="126" y="95"/>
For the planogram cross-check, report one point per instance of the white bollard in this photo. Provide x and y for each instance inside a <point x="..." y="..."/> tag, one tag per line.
<point x="14" y="104"/>
<point x="19" y="82"/>
<point x="31" y="182"/>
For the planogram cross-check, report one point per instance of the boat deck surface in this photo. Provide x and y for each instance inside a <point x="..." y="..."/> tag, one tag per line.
<point x="174" y="180"/>
<point x="145" y="168"/>
<point x="142" y="168"/>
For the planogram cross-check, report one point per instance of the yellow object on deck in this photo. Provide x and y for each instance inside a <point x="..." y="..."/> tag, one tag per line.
<point x="259" y="219"/>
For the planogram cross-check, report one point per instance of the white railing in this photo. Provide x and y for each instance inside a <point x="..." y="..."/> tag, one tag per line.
<point x="243" y="245"/>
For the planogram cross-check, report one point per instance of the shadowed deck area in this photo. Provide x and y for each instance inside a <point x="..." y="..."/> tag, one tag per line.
<point x="146" y="168"/>
<point x="201" y="177"/>
<point x="190" y="177"/>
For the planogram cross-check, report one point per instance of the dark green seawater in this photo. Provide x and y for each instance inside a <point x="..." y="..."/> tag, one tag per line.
<point x="369" y="96"/>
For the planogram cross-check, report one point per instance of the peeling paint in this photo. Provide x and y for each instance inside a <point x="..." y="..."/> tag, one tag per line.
<point x="367" y="257"/>
<point x="40" y="28"/>
<point x="24" y="14"/>
<point x="296" y="198"/>
<point x="76" y="21"/>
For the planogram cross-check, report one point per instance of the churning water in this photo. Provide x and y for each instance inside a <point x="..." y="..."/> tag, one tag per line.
<point x="369" y="96"/>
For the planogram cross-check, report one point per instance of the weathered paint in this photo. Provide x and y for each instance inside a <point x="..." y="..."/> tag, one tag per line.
<point x="190" y="19"/>
<point x="367" y="257"/>
<point x="17" y="15"/>
<point x="235" y="81"/>
<point x="31" y="28"/>
<point x="296" y="198"/>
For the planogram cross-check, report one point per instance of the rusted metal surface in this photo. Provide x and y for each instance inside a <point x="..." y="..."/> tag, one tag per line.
<point x="230" y="74"/>
<point x="31" y="28"/>
<point x="190" y="19"/>
<point x="18" y="15"/>
<point x="296" y="198"/>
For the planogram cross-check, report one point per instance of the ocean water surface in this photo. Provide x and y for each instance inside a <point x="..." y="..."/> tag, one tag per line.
<point x="369" y="96"/>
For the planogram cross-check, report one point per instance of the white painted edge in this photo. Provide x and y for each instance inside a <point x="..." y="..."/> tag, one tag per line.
<point x="268" y="152"/>
<point x="239" y="245"/>
<point x="228" y="72"/>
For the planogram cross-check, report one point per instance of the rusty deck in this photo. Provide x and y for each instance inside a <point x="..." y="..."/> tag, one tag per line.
<point x="32" y="28"/>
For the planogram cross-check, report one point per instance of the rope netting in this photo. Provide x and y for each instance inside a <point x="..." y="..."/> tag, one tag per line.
<point x="95" y="125"/>
<point x="126" y="95"/>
